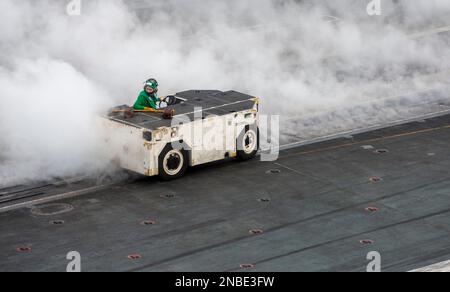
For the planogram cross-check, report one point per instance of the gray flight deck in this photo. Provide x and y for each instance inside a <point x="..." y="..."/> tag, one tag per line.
<point x="310" y="206"/>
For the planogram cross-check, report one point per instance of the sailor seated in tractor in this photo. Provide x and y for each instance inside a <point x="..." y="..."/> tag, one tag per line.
<point x="148" y="98"/>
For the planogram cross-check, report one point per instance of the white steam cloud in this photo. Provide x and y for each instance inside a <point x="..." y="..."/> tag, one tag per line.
<point x="325" y="66"/>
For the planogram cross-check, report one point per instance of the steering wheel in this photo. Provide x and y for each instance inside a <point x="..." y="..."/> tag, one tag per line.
<point x="168" y="101"/>
<point x="162" y="104"/>
<point x="171" y="100"/>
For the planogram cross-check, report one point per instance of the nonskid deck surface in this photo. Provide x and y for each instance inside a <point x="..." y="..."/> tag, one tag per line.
<point x="197" y="104"/>
<point x="320" y="207"/>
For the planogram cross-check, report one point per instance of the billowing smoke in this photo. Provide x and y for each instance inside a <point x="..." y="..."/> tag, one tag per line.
<point x="324" y="66"/>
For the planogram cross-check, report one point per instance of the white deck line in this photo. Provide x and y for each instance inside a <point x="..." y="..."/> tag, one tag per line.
<point x="53" y="198"/>
<point x="358" y="131"/>
<point x="433" y="31"/>
<point x="439" y="267"/>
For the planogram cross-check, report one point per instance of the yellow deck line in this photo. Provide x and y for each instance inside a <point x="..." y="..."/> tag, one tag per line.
<point x="369" y="141"/>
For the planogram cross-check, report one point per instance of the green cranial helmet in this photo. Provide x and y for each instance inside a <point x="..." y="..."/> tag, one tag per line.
<point x="151" y="83"/>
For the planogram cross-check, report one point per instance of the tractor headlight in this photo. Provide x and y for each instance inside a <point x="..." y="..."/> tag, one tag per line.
<point x="174" y="133"/>
<point x="147" y="135"/>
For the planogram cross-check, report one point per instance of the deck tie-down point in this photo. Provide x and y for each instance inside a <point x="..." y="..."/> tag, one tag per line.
<point x="247" y="266"/>
<point x="264" y="200"/>
<point x="134" y="256"/>
<point x="256" y="231"/>
<point x="148" y="222"/>
<point x="375" y="179"/>
<point x="372" y="209"/>
<point x="381" y="151"/>
<point x="57" y="222"/>
<point x="23" y="249"/>
<point x="366" y="242"/>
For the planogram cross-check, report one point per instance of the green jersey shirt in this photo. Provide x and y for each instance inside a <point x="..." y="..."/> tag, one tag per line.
<point x="144" y="100"/>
